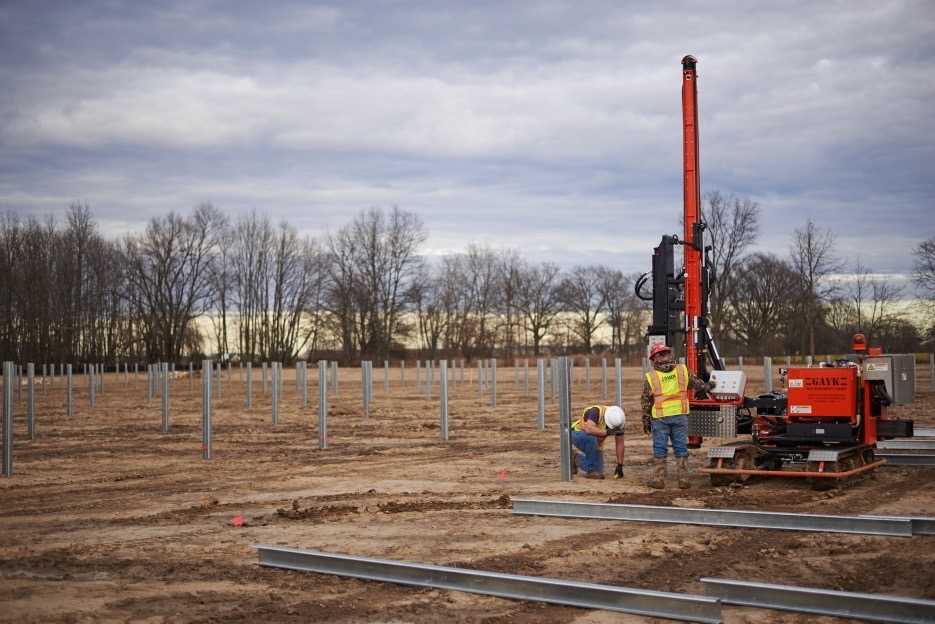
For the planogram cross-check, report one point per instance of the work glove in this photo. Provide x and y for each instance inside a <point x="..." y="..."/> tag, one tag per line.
<point x="618" y="471"/>
<point x="647" y="424"/>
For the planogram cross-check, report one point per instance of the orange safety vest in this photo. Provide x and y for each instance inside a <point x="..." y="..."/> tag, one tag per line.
<point x="670" y="391"/>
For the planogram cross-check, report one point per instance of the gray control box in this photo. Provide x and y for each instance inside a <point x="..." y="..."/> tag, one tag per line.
<point x="898" y="373"/>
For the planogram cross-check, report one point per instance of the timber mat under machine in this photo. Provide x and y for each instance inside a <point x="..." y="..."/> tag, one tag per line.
<point x="824" y="426"/>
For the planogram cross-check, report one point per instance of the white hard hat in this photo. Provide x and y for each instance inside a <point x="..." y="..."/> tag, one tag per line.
<point x="614" y="417"/>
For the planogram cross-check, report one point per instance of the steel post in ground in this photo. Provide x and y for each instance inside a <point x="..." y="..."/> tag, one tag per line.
<point x="461" y="375"/>
<point x="264" y="378"/>
<point x="525" y="377"/>
<point x="431" y="379"/>
<point x="304" y="384"/>
<point x="191" y="376"/>
<point x="618" y="378"/>
<point x="515" y="374"/>
<point x="493" y="382"/>
<point x="249" y="385"/>
<point x="165" y="397"/>
<point x="149" y="382"/>
<point x="240" y="371"/>
<point x="402" y="373"/>
<point x="92" y="387"/>
<point x="571" y="370"/>
<point x="8" y="376"/>
<point x="100" y="378"/>
<point x="768" y="373"/>
<point x="587" y="373"/>
<point x="19" y="382"/>
<point x="540" y="387"/>
<point x="69" y="399"/>
<point x="334" y="377"/>
<point x="126" y="373"/>
<point x="365" y="396"/>
<point x="808" y="361"/>
<point x="564" y="417"/>
<point x="386" y="377"/>
<point x="604" y="379"/>
<point x="443" y="398"/>
<point x="275" y="392"/>
<point x="217" y="380"/>
<point x="418" y="375"/>
<point x="931" y="371"/>
<point x="740" y="362"/>
<point x="322" y="404"/>
<point x="31" y="400"/>
<point x="207" y="370"/>
<point x="45" y="379"/>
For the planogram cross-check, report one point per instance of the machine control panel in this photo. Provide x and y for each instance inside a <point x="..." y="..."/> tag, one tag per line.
<point x="728" y="385"/>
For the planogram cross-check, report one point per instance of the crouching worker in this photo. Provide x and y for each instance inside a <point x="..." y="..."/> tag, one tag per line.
<point x="588" y="434"/>
<point x="665" y="412"/>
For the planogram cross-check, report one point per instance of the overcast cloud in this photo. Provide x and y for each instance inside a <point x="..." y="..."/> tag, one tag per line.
<point x="551" y="127"/>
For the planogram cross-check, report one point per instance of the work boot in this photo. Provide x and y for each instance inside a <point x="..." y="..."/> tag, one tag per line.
<point x="658" y="479"/>
<point x="681" y="466"/>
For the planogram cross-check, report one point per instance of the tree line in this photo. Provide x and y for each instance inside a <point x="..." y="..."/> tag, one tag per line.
<point x="250" y="289"/>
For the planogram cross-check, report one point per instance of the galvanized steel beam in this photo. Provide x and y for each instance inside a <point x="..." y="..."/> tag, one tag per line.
<point x="715" y="517"/>
<point x="923" y="432"/>
<point x="685" y="607"/>
<point x="907" y="444"/>
<point x="873" y="607"/>
<point x="907" y="459"/>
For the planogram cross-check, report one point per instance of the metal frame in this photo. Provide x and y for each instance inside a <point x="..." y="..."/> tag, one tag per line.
<point x="685" y="607"/>
<point x="923" y="432"/>
<point x="873" y="607"/>
<point x="863" y="525"/>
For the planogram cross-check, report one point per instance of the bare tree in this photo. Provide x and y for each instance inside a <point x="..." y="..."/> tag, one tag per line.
<point x="812" y="257"/>
<point x="924" y="278"/>
<point x="581" y="295"/>
<point x="760" y="302"/>
<point x="732" y="228"/>
<point x="873" y="299"/>
<point x="170" y="276"/>
<point x="537" y="300"/>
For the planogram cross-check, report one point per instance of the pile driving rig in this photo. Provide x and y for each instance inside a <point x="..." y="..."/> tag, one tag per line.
<point x="823" y="427"/>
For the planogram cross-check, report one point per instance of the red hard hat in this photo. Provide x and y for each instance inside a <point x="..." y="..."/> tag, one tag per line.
<point x="659" y="348"/>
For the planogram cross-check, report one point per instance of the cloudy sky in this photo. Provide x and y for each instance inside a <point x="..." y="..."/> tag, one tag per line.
<point x="550" y="127"/>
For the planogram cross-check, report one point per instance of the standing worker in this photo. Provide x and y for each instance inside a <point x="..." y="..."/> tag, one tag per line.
<point x="588" y="434"/>
<point x="665" y="412"/>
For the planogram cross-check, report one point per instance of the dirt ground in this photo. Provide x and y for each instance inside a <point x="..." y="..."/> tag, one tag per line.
<point x="107" y="519"/>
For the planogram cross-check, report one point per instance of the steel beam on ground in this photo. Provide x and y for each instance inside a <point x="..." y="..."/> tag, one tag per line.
<point x="907" y="459"/>
<point x="443" y="398"/>
<point x="564" y="418"/>
<point x="322" y="404"/>
<point x="923" y="432"/>
<point x="921" y="525"/>
<point x="907" y="444"/>
<point x="684" y="607"/>
<point x="715" y="517"/>
<point x="206" y="434"/>
<point x="8" y="375"/>
<point x="873" y="607"/>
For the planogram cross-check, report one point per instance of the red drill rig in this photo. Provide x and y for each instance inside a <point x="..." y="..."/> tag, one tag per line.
<point x="823" y="428"/>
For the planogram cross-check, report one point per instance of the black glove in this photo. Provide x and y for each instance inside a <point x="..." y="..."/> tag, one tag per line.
<point x="618" y="471"/>
<point x="647" y="424"/>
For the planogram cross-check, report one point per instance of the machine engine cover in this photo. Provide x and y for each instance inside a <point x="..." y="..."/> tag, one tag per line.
<point x="822" y="393"/>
